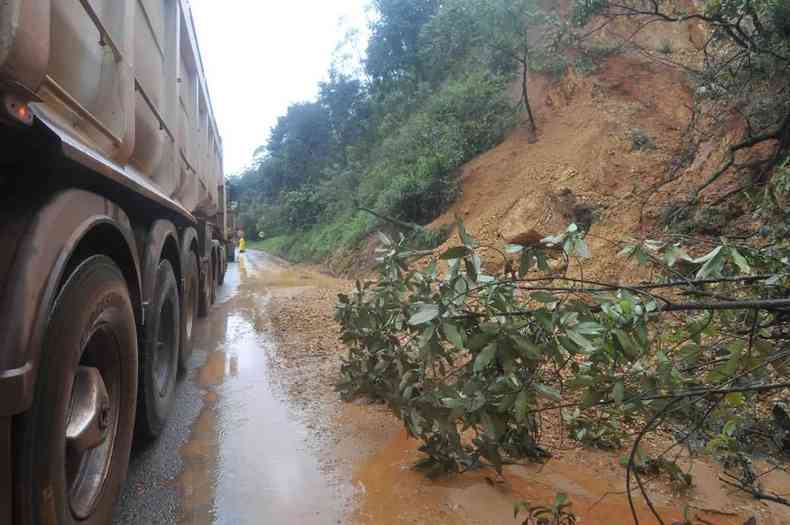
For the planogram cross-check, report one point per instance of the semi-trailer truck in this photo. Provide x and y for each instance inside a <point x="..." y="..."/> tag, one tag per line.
<point x="113" y="238"/>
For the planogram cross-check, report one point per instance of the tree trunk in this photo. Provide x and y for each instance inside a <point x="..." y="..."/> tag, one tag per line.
<point x="784" y="136"/>
<point x="525" y="95"/>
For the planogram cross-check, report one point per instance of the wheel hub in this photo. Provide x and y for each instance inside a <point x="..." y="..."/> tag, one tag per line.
<point x="89" y="417"/>
<point x="92" y="422"/>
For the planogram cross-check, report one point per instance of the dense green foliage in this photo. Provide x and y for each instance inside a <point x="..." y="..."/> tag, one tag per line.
<point x="432" y="97"/>
<point x="476" y="364"/>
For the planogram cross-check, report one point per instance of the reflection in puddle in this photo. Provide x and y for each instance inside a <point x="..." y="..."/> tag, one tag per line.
<point x="249" y="457"/>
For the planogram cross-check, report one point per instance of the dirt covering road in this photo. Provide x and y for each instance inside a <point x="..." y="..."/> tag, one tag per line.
<point x="260" y="436"/>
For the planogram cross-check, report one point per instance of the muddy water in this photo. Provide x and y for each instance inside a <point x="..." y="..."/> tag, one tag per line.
<point x="250" y="457"/>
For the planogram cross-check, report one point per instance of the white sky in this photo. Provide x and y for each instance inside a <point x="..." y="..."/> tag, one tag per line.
<point x="262" y="55"/>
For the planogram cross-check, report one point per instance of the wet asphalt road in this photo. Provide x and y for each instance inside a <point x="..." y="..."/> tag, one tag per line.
<point x="234" y="450"/>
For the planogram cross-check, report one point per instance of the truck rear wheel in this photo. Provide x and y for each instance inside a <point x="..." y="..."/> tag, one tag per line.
<point x="223" y="265"/>
<point x="213" y="286"/>
<point x="189" y="309"/>
<point x="73" y="444"/>
<point x="213" y="278"/>
<point x="159" y="355"/>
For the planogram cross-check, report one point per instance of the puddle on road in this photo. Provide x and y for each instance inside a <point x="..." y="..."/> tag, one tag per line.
<point x="250" y="458"/>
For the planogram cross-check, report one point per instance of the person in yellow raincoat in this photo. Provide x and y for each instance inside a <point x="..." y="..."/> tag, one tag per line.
<point x="242" y="245"/>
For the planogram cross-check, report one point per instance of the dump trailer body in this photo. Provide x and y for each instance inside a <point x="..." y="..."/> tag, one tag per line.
<point x="121" y="82"/>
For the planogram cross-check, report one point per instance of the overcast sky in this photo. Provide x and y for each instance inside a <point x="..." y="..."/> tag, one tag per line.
<point x="262" y="55"/>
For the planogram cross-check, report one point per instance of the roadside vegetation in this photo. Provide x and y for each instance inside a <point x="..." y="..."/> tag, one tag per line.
<point x="389" y="140"/>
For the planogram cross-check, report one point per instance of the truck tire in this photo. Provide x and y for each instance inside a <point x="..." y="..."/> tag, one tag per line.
<point x="204" y="301"/>
<point x="159" y="350"/>
<point x="189" y="308"/>
<point x="213" y="281"/>
<point x="73" y="444"/>
<point x="223" y="266"/>
<point x="216" y="269"/>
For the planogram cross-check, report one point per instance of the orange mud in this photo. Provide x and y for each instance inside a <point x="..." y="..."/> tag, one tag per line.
<point x="396" y="493"/>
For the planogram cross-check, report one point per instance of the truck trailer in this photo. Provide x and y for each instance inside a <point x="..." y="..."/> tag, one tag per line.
<point x="114" y="236"/>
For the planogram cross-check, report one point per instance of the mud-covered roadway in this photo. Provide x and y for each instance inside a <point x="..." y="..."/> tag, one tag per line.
<point x="258" y="434"/>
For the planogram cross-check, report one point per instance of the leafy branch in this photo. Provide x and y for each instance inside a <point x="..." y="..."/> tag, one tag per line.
<point x="476" y="365"/>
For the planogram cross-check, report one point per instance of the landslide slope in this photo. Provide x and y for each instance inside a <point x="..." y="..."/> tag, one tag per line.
<point x="614" y="150"/>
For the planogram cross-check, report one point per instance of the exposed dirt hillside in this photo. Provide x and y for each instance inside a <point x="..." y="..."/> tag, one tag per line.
<point x="613" y="149"/>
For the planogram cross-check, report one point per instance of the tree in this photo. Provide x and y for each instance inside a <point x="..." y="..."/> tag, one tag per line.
<point x="348" y="108"/>
<point x="512" y="31"/>
<point x="301" y="142"/>
<point x="393" y="46"/>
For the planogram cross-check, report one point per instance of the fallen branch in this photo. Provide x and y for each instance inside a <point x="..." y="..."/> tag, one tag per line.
<point x="396" y="222"/>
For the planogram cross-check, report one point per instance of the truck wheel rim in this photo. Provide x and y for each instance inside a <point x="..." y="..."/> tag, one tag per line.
<point x="92" y="421"/>
<point x="165" y="348"/>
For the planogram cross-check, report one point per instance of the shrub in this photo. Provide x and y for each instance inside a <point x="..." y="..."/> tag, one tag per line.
<point x="412" y="177"/>
<point x="301" y="208"/>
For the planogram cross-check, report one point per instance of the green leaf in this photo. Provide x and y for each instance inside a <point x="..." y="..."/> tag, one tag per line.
<point x="580" y="340"/>
<point x="618" y="393"/>
<point x="386" y="241"/>
<point x="456" y="252"/>
<point x="580" y="249"/>
<point x="675" y="253"/>
<point x="543" y="264"/>
<point x="525" y="264"/>
<point x="714" y="263"/>
<point x="485" y="357"/>
<point x="582" y="380"/>
<point x="527" y="348"/>
<point x="627" y="344"/>
<point x="453" y="403"/>
<point x="514" y="248"/>
<point x="591" y="397"/>
<point x="735" y="399"/>
<point x="467" y="239"/>
<point x="740" y="261"/>
<point x="588" y="328"/>
<point x="427" y="335"/>
<point x="708" y="256"/>
<point x="479" y="340"/>
<point x="425" y="314"/>
<point x="478" y="263"/>
<point x="453" y="334"/>
<point x="628" y="251"/>
<point x="522" y="405"/>
<point x="548" y="392"/>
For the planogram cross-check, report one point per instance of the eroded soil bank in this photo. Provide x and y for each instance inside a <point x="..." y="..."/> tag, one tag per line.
<point x="274" y="444"/>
